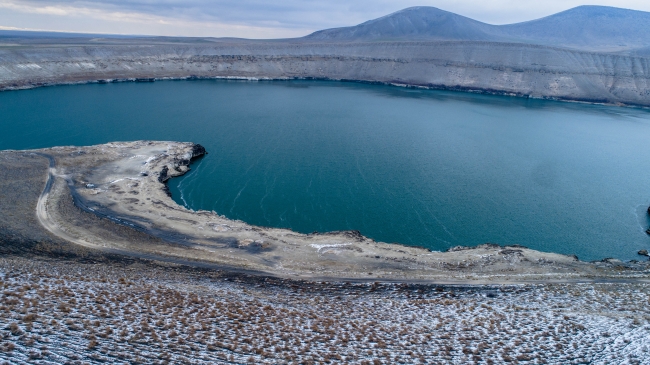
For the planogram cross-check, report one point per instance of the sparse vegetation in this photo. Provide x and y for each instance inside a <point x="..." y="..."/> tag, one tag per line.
<point x="85" y="312"/>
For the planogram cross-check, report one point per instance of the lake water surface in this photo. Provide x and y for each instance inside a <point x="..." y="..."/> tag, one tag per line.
<point x="419" y="167"/>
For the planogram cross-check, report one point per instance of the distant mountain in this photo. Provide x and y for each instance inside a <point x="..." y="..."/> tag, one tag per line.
<point x="420" y="22"/>
<point x="592" y="27"/>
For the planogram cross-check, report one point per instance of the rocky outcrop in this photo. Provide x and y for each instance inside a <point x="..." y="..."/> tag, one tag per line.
<point x="198" y="151"/>
<point x="163" y="175"/>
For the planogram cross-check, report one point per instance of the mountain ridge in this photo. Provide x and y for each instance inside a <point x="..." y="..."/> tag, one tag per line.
<point x="586" y="27"/>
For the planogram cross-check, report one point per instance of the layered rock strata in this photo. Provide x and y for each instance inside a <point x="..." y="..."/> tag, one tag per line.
<point x="493" y="67"/>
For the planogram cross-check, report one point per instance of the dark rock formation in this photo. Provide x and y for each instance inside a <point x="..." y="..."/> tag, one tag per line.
<point x="354" y="234"/>
<point x="643" y="253"/>
<point x="198" y="150"/>
<point x="508" y="252"/>
<point x="163" y="174"/>
<point x="166" y="190"/>
<point x="458" y="248"/>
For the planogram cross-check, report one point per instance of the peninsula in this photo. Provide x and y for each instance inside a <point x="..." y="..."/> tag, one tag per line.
<point x="113" y="198"/>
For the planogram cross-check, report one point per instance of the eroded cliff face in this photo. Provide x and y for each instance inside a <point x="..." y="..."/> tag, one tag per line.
<point x="506" y="68"/>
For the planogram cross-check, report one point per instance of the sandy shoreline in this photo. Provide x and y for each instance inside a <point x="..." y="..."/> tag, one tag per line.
<point x="113" y="198"/>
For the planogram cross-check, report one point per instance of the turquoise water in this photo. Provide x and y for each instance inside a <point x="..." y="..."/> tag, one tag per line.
<point x="428" y="168"/>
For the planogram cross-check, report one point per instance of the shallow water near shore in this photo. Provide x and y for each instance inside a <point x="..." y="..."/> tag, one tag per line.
<point x="419" y="167"/>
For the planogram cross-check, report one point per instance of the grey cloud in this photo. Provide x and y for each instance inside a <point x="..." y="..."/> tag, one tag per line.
<point x="292" y="13"/>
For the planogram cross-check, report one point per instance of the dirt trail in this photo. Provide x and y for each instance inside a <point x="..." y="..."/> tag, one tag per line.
<point x="42" y="211"/>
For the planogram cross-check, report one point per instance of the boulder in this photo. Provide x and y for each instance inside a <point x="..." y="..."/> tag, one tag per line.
<point x="643" y="253"/>
<point x="198" y="150"/>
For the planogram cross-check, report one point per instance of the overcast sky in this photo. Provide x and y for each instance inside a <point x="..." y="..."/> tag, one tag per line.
<point x="254" y="18"/>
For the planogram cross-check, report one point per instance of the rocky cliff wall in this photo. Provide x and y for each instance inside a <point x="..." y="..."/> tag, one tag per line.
<point x="507" y="68"/>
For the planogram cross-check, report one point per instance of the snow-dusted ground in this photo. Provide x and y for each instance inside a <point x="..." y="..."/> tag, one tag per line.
<point x="52" y="313"/>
